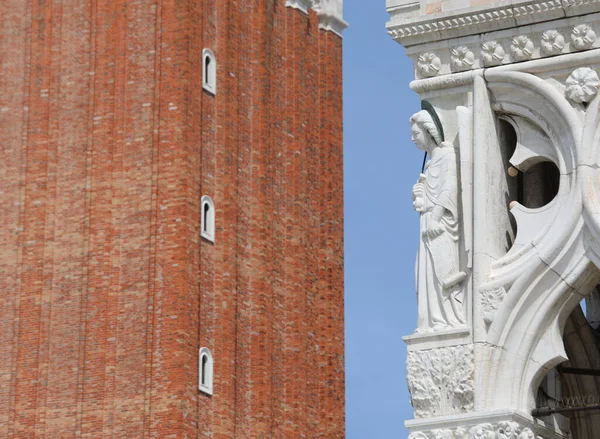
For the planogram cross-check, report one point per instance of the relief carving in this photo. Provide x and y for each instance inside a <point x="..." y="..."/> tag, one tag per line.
<point x="429" y="64"/>
<point x="435" y="197"/>
<point x="490" y="301"/>
<point x="440" y="381"/>
<point x="582" y="85"/>
<point x="461" y="59"/>
<point x="522" y="48"/>
<point x="553" y="42"/>
<point x="493" y="53"/>
<point x="501" y="430"/>
<point x="445" y="433"/>
<point x="583" y="37"/>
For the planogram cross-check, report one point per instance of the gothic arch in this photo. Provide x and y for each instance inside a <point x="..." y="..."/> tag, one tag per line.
<point x="555" y="258"/>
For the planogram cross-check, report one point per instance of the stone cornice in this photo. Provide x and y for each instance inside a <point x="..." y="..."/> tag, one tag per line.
<point x="470" y="21"/>
<point x="328" y="11"/>
<point x="331" y="22"/>
<point x="302" y="5"/>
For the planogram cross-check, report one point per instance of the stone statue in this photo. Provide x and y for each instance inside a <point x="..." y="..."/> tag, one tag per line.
<point x="435" y="197"/>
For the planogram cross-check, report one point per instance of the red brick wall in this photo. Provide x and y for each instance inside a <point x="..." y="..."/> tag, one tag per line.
<point x="106" y="289"/>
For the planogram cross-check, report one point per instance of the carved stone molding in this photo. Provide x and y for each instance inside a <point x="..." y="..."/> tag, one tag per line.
<point x="440" y="381"/>
<point x="501" y="47"/>
<point x="429" y="27"/>
<point x="500" y="430"/>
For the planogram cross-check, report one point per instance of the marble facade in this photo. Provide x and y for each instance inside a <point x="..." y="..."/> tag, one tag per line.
<point x="514" y="85"/>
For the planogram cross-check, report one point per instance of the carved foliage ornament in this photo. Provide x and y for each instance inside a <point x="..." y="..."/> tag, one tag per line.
<point x="440" y="381"/>
<point x="493" y="53"/>
<point x="501" y="430"/>
<point x="490" y="301"/>
<point x="462" y="59"/>
<point x="521" y="48"/>
<point x="583" y="37"/>
<point x="582" y="85"/>
<point x="429" y="64"/>
<point x="553" y="42"/>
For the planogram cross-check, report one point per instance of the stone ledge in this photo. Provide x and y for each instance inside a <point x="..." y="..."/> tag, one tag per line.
<point x="409" y="25"/>
<point x="329" y="13"/>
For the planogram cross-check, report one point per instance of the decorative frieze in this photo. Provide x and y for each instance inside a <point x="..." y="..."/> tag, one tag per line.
<point x="500" y="430"/>
<point x="502" y="47"/>
<point x="423" y="28"/>
<point x="441" y="381"/>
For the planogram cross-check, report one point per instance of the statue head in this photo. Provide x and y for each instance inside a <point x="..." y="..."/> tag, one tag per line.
<point x="424" y="131"/>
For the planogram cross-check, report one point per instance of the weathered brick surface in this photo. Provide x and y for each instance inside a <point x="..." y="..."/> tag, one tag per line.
<point x="106" y="289"/>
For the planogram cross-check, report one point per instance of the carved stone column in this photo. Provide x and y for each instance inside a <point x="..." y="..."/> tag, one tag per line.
<point x="511" y="91"/>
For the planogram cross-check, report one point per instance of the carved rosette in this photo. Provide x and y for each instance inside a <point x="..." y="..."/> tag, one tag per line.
<point x="490" y="301"/>
<point x="429" y="64"/>
<point x="521" y="48"/>
<point x="500" y="430"/>
<point x="440" y="381"/>
<point x="492" y="53"/>
<point x="462" y="59"/>
<point x="582" y="85"/>
<point x="583" y="37"/>
<point x="553" y="42"/>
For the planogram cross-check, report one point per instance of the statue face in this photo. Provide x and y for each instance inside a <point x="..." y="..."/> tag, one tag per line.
<point x="418" y="136"/>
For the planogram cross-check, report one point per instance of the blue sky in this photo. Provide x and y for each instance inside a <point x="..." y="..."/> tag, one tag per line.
<point x="381" y="165"/>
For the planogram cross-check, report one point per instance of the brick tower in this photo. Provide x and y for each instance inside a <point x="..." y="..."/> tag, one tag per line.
<point x="118" y="120"/>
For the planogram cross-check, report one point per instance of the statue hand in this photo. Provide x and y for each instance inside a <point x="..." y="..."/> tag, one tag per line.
<point x="418" y="191"/>
<point x="419" y="204"/>
<point x="418" y="194"/>
<point x="435" y="229"/>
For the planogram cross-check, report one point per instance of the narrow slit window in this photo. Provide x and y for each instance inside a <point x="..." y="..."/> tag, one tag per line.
<point x="209" y="71"/>
<point x="207" y="68"/>
<point x="204" y="371"/>
<point x="206" y="212"/>
<point x="207" y="225"/>
<point x="205" y="384"/>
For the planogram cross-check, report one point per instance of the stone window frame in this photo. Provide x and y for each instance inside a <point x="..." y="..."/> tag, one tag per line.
<point x="205" y="371"/>
<point x="207" y="219"/>
<point x="209" y="71"/>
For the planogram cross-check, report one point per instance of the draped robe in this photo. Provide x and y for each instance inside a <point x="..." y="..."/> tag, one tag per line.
<point x="437" y="260"/>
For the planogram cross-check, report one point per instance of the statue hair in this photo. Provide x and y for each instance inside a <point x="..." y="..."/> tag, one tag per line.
<point x="425" y="121"/>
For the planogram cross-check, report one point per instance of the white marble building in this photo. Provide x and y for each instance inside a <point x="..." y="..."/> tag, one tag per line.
<point x="510" y="217"/>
